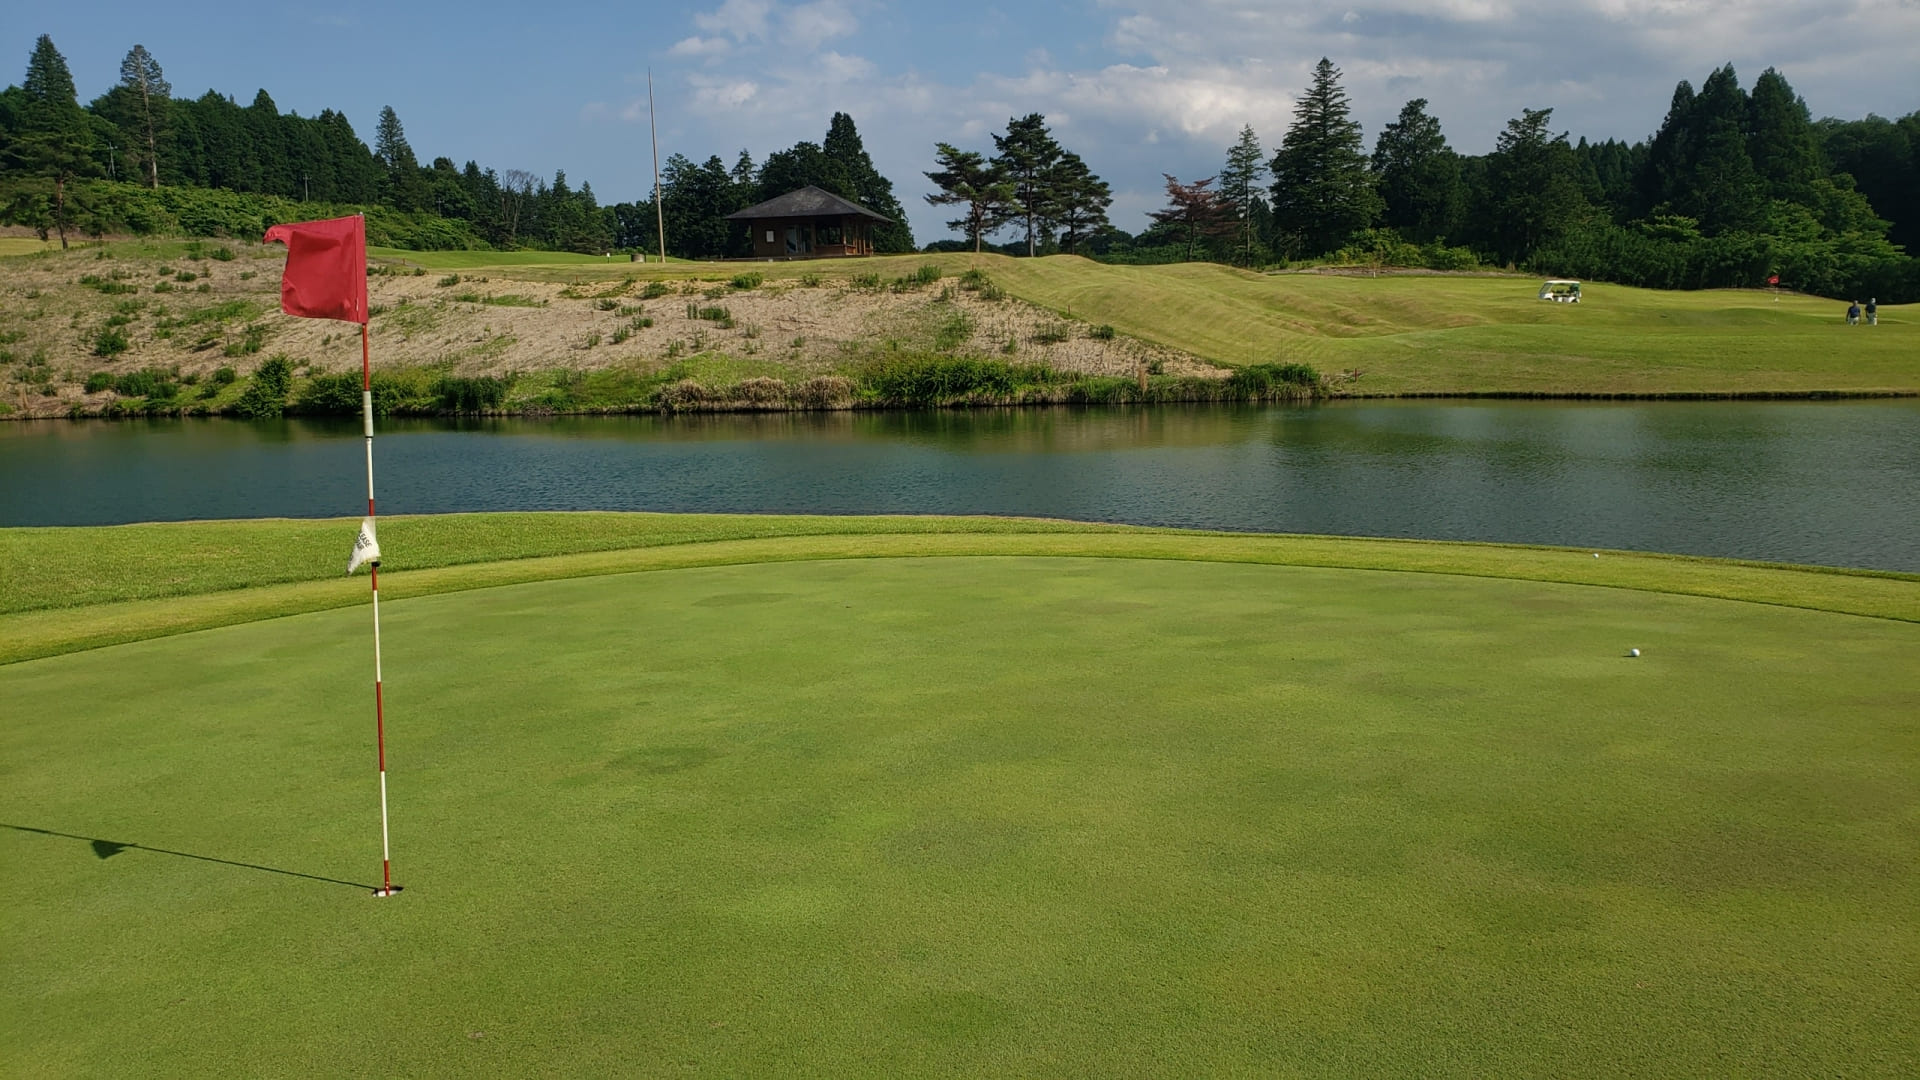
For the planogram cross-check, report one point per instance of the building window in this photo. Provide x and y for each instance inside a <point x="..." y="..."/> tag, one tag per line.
<point x="769" y="236"/>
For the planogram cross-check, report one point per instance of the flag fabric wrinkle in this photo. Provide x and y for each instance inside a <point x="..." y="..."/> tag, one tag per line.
<point x="366" y="547"/>
<point x="326" y="275"/>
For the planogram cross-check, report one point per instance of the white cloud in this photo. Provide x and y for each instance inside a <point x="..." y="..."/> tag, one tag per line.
<point x="739" y="19"/>
<point x="709" y="47"/>
<point x="723" y="94"/>
<point x="808" y="26"/>
<point x="833" y="67"/>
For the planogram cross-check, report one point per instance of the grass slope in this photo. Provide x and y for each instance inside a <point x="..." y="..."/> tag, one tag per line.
<point x="1426" y="334"/>
<point x="83" y="588"/>
<point x="1006" y="816"/>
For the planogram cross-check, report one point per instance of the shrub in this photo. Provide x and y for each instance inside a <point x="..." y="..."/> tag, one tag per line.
<point x="150" y="382"/>
<point x="937" y="380"/>
<point x="953" y="332"/>
<point x="108" y="286"/>
<point x="752" y="279"/>
<point x="655" y="290"/>
<point x="223" y="253"/>
<point x="447" y="282"/>
<point x="809" y="281"/>
<point x="866" y="281"/>
<point x="266" y="394"/>
<point x="251" y="342"/>
<point x="606" y="305"/>
<point x="1052" y="333"/>
<point x="463" y="394"/>
<point x="1103" y="332"/>
<point x="1274" y="380"/>
<point x="223" y="376"/>
<point x="110" y="341"/>
<point x="99" y="381"/>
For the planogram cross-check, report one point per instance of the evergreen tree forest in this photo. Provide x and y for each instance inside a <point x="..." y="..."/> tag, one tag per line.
<point x="1735" y="188"/>
<point x="138" y="159"/>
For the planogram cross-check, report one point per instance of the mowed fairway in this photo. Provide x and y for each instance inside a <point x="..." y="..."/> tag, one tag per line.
<point x="981" y="816"/>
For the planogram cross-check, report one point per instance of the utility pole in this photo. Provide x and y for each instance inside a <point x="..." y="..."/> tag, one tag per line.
<point x="659" y="211"/>
<point x="110" y="163"/>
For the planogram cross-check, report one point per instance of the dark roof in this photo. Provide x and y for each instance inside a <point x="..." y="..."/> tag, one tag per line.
<point x="809" y="201"/>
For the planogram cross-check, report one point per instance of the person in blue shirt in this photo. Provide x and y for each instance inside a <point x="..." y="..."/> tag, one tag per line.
<point x="1873" y="311"/>
<point x="1853" y="313"/>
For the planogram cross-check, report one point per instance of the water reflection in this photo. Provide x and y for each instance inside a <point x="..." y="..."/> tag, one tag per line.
<point x="1835" y="483"/>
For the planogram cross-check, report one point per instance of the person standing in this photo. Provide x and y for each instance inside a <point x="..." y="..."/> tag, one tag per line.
<point x="1873" y="311"/>
<point x="1853" y="313"/>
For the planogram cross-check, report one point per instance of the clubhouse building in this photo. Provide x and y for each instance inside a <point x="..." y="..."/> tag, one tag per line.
<point x="809" y="223"/>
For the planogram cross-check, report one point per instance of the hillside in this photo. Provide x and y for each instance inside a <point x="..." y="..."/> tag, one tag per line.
<point x="192" y="308"/>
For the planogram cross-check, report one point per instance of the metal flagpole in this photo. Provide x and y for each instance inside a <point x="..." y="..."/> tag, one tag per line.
<point x="659" y="212"/>
<point x="387" y="887"/>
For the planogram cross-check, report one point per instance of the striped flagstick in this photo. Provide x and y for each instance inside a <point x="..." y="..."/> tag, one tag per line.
<point x="387" y="887"/>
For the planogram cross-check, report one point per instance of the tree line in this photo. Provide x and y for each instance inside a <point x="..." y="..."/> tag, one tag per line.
<point x="1735" y="188"/>
<point x="54" y="152"/>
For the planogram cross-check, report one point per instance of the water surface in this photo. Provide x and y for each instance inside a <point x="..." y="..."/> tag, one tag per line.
<point x="1815" y="482"/>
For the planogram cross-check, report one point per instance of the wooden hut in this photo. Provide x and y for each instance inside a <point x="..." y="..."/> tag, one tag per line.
<point x="809" y="223"/>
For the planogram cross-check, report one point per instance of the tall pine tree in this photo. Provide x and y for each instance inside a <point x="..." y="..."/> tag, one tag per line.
<point x="1241" y="187"/>
<point x="147" y="97"/>
<point x="1027" y="155"/>
<point x="1322" y="191"/>
<point x="1419" y="176"/>
<point x="1533" y="187"/>
<point x="1786" y="153"/>
<point x="53" y="139"/>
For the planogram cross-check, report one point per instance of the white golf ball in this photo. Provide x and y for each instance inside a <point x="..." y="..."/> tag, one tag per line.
<point x="1633" y="652"/>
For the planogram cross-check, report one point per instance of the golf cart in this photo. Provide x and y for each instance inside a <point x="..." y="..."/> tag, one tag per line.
<point x="1560" y="292"/>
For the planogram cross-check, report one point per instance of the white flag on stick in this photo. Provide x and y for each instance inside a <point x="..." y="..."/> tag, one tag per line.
<point x="366" y="549"/>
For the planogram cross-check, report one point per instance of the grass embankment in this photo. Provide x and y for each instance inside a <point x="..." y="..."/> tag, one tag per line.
<point x="87" y="587"/>
<point x="1454" y="334"/>
<point x="568" y="333"/>
<point x="161" y="328"/>
<point x="1015" y="816"/>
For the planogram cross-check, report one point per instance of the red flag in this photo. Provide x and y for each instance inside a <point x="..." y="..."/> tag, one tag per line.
<point x="1774" y="280"/>
<point x="326" y="275"/>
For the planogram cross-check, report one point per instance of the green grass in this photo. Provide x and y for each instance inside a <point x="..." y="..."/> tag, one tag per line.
<point x="925" y="816"/>
<point x="1428" y="334"/>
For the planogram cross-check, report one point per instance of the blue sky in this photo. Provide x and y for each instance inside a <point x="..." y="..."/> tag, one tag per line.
<point x="1137" y="87"/>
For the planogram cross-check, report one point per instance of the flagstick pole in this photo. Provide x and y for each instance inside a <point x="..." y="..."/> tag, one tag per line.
<point x="387" y="887"/>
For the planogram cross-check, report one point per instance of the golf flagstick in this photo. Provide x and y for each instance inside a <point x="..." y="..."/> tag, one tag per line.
<point x="387" y="887"/>
<point x="326" y="278"/>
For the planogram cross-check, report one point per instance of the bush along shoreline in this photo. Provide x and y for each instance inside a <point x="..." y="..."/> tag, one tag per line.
<point x="898" y="381"/>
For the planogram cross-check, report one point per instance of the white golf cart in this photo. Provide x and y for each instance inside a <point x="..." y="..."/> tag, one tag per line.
<point x="1560" y="292"/>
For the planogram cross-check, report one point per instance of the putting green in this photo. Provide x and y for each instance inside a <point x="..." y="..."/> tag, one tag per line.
<point x="1006" y="816"/>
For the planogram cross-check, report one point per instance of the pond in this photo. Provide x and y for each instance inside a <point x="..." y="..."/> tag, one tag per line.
<point x="1836" y="483"/>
